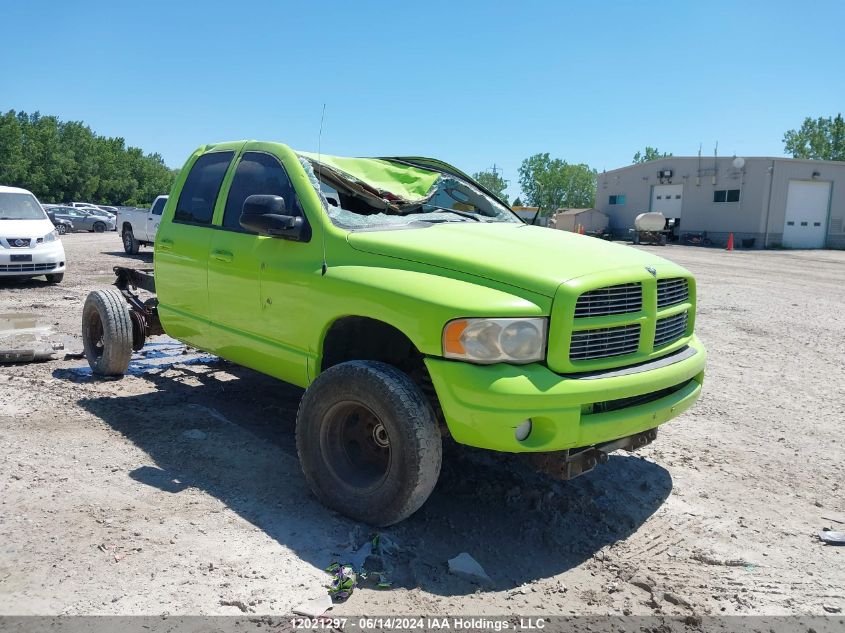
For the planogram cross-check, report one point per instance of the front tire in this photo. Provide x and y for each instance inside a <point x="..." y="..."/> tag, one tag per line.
<point x="130" y="244"/>
<point x="99" y="227"/>
<point x="368" y="442"/>
<point x="107" y="332"/>
<point x="61" y="229"/>
<point x="55" y="278"/>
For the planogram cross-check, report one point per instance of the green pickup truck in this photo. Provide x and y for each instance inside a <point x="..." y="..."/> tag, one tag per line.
<point x="412" y="305"/>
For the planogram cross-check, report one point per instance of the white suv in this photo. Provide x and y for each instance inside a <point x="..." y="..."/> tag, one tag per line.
<point x="29" y="244"/>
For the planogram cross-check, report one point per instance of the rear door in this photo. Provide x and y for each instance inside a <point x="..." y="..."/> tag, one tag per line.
<point x="182" y="245"/>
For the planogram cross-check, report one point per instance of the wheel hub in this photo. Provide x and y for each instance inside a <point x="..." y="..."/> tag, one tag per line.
<point x="357" y="445"/>
<point x="380" y="436"/>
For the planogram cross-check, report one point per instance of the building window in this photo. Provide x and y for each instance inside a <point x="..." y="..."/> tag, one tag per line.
<point x="726" y="195"/>
<point x="617" y="199"/>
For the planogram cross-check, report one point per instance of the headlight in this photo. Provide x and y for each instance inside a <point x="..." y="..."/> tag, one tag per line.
<point x="496" y="340"/>
<point x="52" y="236"/>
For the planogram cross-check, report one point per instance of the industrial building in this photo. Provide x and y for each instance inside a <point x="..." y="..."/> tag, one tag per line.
<point x="764" y="202"/>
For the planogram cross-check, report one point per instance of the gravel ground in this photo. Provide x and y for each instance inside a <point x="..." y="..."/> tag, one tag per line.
<point x="177" y="490"/>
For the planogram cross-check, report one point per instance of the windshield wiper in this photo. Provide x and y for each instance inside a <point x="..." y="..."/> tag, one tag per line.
<point x="463" y="214"/>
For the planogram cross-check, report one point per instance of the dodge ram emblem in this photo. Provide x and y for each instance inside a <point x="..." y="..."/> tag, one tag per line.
<point x="652" y="271"/>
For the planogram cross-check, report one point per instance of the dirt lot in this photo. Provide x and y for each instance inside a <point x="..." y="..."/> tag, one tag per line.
<point x="177" y="489"/>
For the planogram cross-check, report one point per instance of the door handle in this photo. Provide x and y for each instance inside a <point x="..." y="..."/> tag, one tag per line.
<point x="223" y="256"/>
<point x="165" y="244"/>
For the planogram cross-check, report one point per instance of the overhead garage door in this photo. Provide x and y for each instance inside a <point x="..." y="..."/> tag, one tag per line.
<point x="807" y="203"/>
<point x="667" y="200"/>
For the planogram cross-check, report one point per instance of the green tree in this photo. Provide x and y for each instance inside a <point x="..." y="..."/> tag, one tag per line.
<point x="493" y="181"/>
<point x="517" y="202"/>
<point x="650" y="153"/>
<point x="820" y="139"/>
<point x="550" y="183"/>
<point x="61" y="161"/>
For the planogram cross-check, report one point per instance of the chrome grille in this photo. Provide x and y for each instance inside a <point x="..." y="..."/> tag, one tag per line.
<point x="604" y="342"/>
<point x="18" y="242"/>
<point x="611" y="300"/>
<point x="670" y="329"/>
<point x="671" y="291"/>
<point x="25" y="268"/>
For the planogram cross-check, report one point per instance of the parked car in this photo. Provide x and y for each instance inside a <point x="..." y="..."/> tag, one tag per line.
<point x="29" y="244"/>
<point x="138" y="226"/>
<point x="418" y="306"/>
<point x="84" y="220"/>
<point x="62" y="226"/>
<point x="97" y="209"/>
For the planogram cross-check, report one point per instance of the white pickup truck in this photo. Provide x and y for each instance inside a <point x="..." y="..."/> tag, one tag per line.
<point x="138" y="226"/>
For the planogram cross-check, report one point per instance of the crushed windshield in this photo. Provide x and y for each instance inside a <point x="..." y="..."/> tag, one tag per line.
<point x="425" y="197"/>
<point x="20" y="206"/>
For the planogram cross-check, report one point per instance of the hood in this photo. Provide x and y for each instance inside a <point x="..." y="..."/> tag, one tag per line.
<point x="25" y="228"/>
<point x="533" y="258"/>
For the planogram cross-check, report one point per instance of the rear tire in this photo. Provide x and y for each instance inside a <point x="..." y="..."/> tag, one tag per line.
<point x="130" y="244"/>
<point x="55" y="278"/>
<point x="107" y="332"/>
<point x="99" y="227"/>
<point x="368" y="442"/>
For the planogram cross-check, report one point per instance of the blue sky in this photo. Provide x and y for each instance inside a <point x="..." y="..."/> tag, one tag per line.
<point x="473" y="83"/>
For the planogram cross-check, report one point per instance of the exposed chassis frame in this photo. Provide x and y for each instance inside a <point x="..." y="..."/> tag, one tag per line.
<point x="144" y="314"/>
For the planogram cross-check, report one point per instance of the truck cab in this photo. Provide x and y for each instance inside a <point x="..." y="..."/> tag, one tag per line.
<point x="138" y="227"/>
<point x="411" y="304"/>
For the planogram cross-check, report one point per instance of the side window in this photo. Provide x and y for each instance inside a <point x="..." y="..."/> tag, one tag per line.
<point x="258" y="173"/>
<point x="196" y="201"/>
<point x="158" y="206"/>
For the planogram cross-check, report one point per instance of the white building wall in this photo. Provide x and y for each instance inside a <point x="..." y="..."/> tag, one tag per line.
<point x="758" y="214"/>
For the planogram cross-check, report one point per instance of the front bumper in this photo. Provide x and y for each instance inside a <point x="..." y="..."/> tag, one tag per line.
<point x="44" y="259"/>
<point x="483" y="405"/>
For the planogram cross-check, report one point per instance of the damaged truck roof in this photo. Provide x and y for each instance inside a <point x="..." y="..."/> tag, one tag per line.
<point x="409" y="179"/>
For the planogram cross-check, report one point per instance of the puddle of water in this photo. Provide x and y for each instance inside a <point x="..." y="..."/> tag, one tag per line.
<point x="155" y="357"/>
<point x="27" y="337"/>
<point x="20" y="322"/>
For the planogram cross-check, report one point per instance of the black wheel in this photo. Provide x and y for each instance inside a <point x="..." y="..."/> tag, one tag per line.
<point x="99" y="227"/>
<point x="107" y="332"/>
<point x="55" y="278"/>
<point x="61" y="229"/>
<point x="130" y="244"/>
<point x="368" y="442"/>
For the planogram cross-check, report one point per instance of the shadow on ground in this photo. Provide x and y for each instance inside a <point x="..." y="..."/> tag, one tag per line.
<point x="230" y="432"/>
<point x="24" y="282"/>
<point x="145" y="256"/>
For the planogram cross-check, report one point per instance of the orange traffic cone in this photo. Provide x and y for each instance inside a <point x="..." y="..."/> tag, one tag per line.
<point x="730" y="242"/>
<point x="581" y="229"/>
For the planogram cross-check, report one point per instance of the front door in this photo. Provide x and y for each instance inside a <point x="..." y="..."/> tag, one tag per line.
<point x="242" y="316"/>
<point x="807" y="204"/>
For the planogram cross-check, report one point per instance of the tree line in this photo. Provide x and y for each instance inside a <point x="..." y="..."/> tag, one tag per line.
<point x="63" y="161"/>
<point x="553" y="183"/>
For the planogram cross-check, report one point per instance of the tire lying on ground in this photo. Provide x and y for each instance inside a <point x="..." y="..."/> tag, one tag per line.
<point x="368" y="442"/>
<point x="107" y="332"/>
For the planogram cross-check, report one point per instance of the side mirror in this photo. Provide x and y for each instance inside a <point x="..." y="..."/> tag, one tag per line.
<point x="267" y="215"/>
